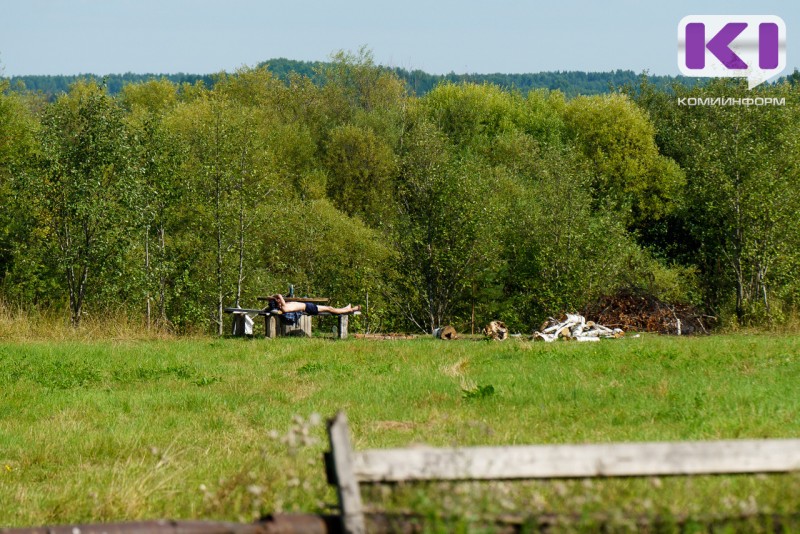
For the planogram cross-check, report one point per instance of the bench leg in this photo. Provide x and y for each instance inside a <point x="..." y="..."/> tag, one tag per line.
<point x="305" y="324"/>
<point x="270" y="326"/>
<point x="343" y="322"/>
<point x="238" y="324"/>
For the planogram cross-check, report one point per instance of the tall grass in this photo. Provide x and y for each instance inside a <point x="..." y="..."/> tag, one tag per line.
<point x="19" y="323"/>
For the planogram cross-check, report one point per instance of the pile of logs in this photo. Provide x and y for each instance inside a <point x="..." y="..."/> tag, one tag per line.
<point x="445" y="332"/>
<point x="575" y="327"/>
<point x="496" y="330"/>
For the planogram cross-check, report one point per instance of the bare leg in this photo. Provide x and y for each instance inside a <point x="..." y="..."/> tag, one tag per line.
<point x="339" y="311"/>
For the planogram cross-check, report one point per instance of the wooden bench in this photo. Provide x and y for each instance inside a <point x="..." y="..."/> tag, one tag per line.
<point x="274" y="327"/>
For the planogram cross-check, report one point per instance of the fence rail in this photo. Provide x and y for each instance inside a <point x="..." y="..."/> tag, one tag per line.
<point x="577" y="461"/>
<point x="348" y="468"/>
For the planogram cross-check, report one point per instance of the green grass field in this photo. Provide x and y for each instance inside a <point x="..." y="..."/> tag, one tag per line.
<point x="225" y="428"/>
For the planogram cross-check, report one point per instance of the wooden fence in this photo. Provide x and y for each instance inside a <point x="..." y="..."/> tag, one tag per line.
<point x="347" y="469"/>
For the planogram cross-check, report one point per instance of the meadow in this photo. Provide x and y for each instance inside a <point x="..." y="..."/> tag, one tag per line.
<point x="220" y="428"/>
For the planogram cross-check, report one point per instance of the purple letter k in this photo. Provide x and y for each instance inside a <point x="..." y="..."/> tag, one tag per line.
<point x="718" y="45"/>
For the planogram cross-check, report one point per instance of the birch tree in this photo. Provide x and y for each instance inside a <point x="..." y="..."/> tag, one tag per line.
<point x="82" y="186"/>
<point x="157" y="159"/>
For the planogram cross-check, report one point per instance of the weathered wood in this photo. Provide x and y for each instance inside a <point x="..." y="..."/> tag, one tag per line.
<point x="270" y="326"/>
<point x="302" y="328"/>
<point x="244" y="310"/>
<point x="344" y="321"/>
<point x="274" y="327"/>
<point x="316" y="300"/>
<point x="242" y="324"/>
<point x="262" y="311"/>
<point x="346" y="481"/>
<point x="445" y="332"/>
<point x="570" y="461"/>
<point x="575" y="327"/>
<point x="496" y="330"/>
<point x="278" y="312"/>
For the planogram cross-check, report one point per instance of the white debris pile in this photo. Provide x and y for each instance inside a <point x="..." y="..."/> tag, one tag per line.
<point x="575" y="327"/>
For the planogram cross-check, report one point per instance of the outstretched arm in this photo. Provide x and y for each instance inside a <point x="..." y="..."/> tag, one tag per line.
<point x="276" y="301"/>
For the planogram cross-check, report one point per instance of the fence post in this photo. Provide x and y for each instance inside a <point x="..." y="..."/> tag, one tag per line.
<point x="346" y="482"/>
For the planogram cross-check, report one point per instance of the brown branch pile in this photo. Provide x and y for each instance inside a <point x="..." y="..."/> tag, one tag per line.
<point x="646" y="313"/>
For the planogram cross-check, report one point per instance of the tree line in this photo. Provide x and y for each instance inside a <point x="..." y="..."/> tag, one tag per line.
<point x="474" y="202"/>
<point x="418" y="82"/>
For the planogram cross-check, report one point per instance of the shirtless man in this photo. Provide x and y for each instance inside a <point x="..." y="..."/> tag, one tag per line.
<point x="277" y="302"/>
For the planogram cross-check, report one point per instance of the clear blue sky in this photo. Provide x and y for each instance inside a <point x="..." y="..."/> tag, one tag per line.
<point x="438" y="36"/>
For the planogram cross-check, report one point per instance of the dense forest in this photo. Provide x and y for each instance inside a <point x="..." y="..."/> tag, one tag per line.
<point x="170" y="201"/>
<point x="417" y="82"/>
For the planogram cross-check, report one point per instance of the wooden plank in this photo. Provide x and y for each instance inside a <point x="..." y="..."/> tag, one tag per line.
<point x="317" y="300"/>
<point x="242" y="310"/>
<point x="346" y="481"/>
<point x="570" y="461"/>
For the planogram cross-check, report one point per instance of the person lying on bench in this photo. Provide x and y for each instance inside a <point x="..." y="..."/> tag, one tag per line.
<point x="276" y="302"/>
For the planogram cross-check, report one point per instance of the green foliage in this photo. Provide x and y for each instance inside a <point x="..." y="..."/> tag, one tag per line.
<point x="323" y="252"/>
<point x="571" y="83"/>
<point x="562" y="253"/>
<point x="361" y="177"/>
<point x="53" y="86"/>
<point x="472" y="203"/>
<point x="740" y="202"/>
<point x="227" y="173"/>
<point x="17" y="149"/>
<point x="631" y="176"/>
<point x="467" y="111"/>
<point x="157" y="160"/>
<point x="352" y="82"/>
<point x="80" y="193"/>
<point x="470" y="113"/>
<point x="449" y="210"/>
<point x="151" y="98"/>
